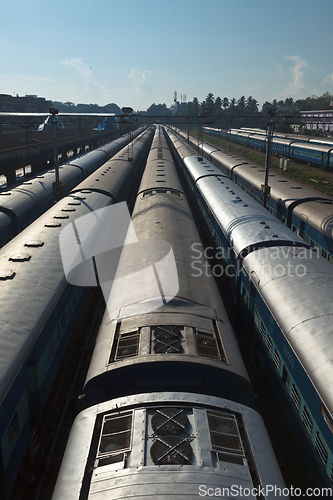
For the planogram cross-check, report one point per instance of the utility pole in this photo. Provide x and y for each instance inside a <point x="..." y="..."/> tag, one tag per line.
<point x="265" y="188"/>
<point x="57" y="185"/>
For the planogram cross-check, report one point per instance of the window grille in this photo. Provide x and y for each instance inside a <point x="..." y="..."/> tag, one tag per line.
<point x="263" y="331"/>
<point x="269" y="344"/>
<point x="13" y="431"/>
<point x="307" y="420"/>
<point x="116" y="434"/>
<point x="256" y="319"/>
<point x="207" y="345"/>
<point x="321" y="449"/>
<point x="128" y="345"/>
<point x="277" y="360"/>
<point x="224" y="433"/>
<point x="295" y="397"/>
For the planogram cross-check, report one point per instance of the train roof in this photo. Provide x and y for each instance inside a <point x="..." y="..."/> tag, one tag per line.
<point x="32" y="278"/>
<point x="301" y="302"/>
<point x="143" y="473"/>
<point x="242" y="219"/>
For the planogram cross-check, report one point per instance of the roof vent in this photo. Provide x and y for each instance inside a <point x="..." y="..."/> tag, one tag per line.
<point x="34" y="243"/>
<point x="20" y="257"/>
<point x="52" y="224"/>
<point x="7" y="275"/>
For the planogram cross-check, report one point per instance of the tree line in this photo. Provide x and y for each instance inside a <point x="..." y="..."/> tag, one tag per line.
<point x="245" y="112"/>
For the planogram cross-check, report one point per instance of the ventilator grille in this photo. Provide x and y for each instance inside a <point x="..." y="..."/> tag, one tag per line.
<point x="170" y="421"/>
<point x="167" y="339"/>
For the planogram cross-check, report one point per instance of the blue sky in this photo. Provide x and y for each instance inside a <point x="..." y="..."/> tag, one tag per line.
<point x="136" y="52"/>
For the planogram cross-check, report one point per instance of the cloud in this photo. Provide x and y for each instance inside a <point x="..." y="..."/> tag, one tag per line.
<point x="297" y="73"/>
<point x="85" y="73"/>
<point x="138" y="78"/>
<point x="328" y="79"/>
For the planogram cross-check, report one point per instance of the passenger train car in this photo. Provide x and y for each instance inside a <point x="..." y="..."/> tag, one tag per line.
<point x="312" y="152"/>
<point x="22" y="204"/>
<point x="170" y="409"/>
<point x="305" y="211"/>
<point x="39" y="308"/>
<point x="284" y="290"/>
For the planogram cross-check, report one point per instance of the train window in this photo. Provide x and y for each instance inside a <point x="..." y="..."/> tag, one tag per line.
<point x="307" y="420"/>
<point x="256" y="318"/>
<point x="167" y="339"/>
<point x="13" y="431"/>
<point x="295" y="397"/>
<point x="128" y="345"/>
<point x="225" y="437"/>
<point x="207" y="345"/>
<point x="263" y="331"/>
<point x="285" y="376"/>
<point x="269" y="344"/>
<point x="328" y="419"/>
<point x="321" y="449"/>
<point x="115" y="436"/>
<point x="277" y="360"/>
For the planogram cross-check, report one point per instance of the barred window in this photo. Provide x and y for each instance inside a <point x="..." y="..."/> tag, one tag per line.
<point x="277" y="360"/>
<point x="224" y="434"/>
<point x="116" y="434"/>
<point x="269" y="344"/>
<point x="263" y="331"/>
<point x="307" y="420"/>
<point x="295" y="397"/>
<point x="13" y="431"/>
<point x="321" y="449"/>
<point x="256" y="318"/>
<point x="128" y="345"/>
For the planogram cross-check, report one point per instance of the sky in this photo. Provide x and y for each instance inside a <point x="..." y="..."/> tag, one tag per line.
<point x="138" y="52"/>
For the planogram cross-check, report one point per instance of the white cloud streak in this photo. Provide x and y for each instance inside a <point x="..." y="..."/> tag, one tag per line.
<point x="297" y="73"/>
<point x="85" y="73"/>
<point x="139" y="78"/>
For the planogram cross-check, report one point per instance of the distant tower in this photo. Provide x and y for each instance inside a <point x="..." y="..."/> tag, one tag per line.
<point x="175" y="97"/>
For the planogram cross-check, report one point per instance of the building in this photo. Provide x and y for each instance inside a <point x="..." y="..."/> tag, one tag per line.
<point x="313" y="120"/>
<point x="25" y="104"/>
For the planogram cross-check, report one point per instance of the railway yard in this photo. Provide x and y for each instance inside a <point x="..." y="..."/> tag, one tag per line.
<point x="179" y="339"/>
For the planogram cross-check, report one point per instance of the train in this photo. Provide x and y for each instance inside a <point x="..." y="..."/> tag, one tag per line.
<point x="295" y="137"/>
<point x="24" y="203"/>
<point x="315" y="151"/>
<point x="169" y="407"/>
<point x="39" y="308"/>
<point x="307" y="212"/>
<point x="283" y="290"/>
